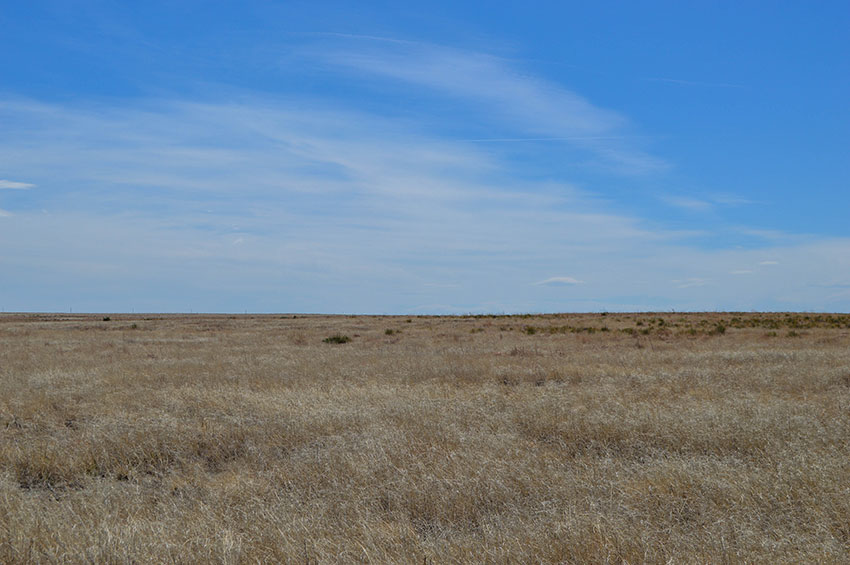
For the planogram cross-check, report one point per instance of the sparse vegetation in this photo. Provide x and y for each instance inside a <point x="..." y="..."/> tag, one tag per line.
<point x="337" y="338"/>
<point x="246" y="439"/>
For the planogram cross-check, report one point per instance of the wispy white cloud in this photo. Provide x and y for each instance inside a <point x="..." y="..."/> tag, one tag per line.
<point x="340" y="211"/>
<point x="13" y="185"/>
<point x="689" y="203"/>
<point x="539" y="139"/>
<point x="690" y="282"/>
<point x="559" y="281"/>
<point x="336" y="194"/>
<point x="731" y="200"/>
<point x="704" y="203"/>
<point x="682" y="82"/>
<point x="493" y="89"/>
<point x="774" y="236"/>
<point x="5" y="213"/>
<point x="768" y="262"/>
<point x="359" y="36"/>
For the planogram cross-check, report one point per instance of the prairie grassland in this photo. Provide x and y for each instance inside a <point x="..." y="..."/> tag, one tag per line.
<point x="640" y="438"/>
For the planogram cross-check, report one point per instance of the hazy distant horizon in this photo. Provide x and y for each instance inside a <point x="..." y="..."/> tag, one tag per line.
<point x="131" y="314"/>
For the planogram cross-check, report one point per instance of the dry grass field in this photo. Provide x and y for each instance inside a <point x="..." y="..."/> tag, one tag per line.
<point x="639" y="438"/>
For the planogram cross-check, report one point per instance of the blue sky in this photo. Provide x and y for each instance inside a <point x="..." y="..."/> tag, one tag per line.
<point x="445" y="157"/>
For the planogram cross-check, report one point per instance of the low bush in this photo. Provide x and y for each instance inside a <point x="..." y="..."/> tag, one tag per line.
<point x="337" y="338"/>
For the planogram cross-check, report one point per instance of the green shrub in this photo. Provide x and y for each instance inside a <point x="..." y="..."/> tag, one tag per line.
<point x="337" y="338"/>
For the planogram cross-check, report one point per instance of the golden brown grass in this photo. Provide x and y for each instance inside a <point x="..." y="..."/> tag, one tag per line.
<point x="687" y="438"/>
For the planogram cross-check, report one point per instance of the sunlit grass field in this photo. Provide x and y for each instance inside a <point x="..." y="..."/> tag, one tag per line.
<point x="618" y="438"/>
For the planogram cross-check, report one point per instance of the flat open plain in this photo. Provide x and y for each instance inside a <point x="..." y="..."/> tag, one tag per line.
<point x="686" y="438"/>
